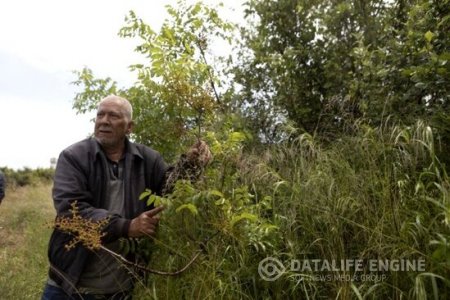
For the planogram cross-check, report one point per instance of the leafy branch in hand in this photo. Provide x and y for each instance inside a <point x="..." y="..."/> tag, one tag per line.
<point x="88" y="233"/>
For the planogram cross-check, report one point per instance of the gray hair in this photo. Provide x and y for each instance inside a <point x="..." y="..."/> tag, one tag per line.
<point x="127" y="108"/>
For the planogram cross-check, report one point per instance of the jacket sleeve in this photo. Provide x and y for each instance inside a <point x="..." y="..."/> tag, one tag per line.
<point x="2" y="187"/>
<point x="71" y="184"/>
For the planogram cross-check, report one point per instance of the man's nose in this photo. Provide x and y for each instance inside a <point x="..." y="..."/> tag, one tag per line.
<point x="103" y="119"/>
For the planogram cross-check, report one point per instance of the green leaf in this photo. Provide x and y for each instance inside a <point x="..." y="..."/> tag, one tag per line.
<point x="267" y="228"/>
<point x="196" y="9"/>
<point x="221" y="201"/>
<point x="216" y="193"/>
<point x="429" y="36"/>
<point x="154" y="199"/>
<point x="189" y="206"/>
<point x="157" y="201"/>
<point x="237" y="137"/>
<point x="168" y="33"/>
<point x="421" y="85"/>
<point x="443" y="21"/>
<point x="197" y="23"/>
<point x="145" y="194"/>
<point x="244" y="216"/>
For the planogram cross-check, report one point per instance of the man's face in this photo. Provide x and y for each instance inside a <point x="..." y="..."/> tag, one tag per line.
<point x="111" y="124"/>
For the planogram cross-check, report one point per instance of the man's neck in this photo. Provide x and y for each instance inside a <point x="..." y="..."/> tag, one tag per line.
<point x="114" y="153"/>
<point x="114" y="156"/>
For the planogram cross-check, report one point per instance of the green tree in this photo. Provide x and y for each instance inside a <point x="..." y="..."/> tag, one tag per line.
<point x="409" y="69"/>
<point x="177" y="90"/>
<point x="299" y="60"/>
<point x="322" y="64"/>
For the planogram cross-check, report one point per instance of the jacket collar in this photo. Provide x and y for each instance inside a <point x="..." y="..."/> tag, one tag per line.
<point x="130" y="148"/>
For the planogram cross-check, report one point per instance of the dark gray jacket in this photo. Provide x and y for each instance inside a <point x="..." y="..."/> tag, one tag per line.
<point x="2" y="186"/>
<point x="81" y="176"/>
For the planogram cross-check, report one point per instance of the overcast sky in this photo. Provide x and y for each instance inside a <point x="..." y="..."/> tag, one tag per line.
<point x="41" y="43"/>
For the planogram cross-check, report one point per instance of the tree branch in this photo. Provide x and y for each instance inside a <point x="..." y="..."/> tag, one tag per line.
<point x="211" y="80"/>
<point x="148" y="270"/>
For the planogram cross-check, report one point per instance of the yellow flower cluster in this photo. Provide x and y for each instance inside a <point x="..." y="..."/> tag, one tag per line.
<point x="84" y="231"/>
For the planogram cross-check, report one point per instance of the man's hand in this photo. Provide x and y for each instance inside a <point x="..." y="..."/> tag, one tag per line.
<point x="145" y="223"/>
<point x="199" y="154"/>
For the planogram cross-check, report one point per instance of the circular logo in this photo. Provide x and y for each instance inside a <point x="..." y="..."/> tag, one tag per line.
<point x="270" y="269"/>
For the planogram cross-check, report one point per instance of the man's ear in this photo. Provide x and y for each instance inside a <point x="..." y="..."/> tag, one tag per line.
<point x="130" y="127"/>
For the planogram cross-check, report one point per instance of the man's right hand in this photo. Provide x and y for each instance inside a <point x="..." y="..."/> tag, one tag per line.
<point x="145" y="223"/>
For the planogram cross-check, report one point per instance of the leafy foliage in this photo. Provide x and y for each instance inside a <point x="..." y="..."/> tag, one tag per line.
<point x="317" y="149"/>
<point x="322" y="64"/>
<point x="218" y="215"/>
<point x="175" y="95"/>
<point x="379" y="194"/>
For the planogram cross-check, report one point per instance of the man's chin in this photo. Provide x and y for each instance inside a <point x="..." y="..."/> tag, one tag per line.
<point x="106" y="143"/>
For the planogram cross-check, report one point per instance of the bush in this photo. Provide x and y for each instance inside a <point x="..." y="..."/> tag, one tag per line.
<point x="379" y="194"/>
<point x="27" y="176"/>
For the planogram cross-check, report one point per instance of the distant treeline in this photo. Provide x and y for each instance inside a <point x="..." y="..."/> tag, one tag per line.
<point x="26" y="176"/>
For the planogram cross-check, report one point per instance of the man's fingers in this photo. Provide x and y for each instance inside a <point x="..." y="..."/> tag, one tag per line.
<point x="154" y="211"/>
<point x="149" y="229"/>
<point x="152" y="220"/>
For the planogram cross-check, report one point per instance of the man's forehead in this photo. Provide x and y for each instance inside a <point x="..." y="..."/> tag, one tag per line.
<point x="110" y="105"/>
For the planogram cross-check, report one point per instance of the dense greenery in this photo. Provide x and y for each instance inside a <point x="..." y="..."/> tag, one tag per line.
<point x="27" y="176"/>
<point x="321" y="63"/>
<point x="329" y="130"/>
<point x="380" y="194"/>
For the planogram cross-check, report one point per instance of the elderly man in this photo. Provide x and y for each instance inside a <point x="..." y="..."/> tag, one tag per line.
<point x="105" y="176"/>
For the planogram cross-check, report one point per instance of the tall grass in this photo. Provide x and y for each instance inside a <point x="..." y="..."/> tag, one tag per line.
<point x="374" y="195"/>
<point x="379" y="193"/>
<point x="23" y="241"/>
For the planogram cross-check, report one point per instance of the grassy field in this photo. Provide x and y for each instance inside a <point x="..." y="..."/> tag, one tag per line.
<point x="24" y="233"/>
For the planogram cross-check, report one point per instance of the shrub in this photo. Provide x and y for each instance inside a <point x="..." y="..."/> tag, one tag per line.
<point x="27" y="176"/>
<point x="379" y="193"/>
